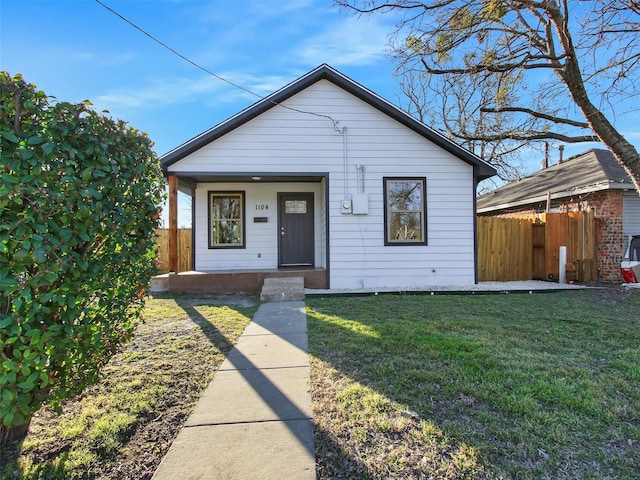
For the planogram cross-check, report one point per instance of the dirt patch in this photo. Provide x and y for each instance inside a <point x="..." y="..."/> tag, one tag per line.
<point x="228" y="300"/>
<point x="616" y="293"/>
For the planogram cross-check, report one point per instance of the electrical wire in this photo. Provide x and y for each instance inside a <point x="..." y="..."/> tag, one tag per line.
<point x="213" y="74"/>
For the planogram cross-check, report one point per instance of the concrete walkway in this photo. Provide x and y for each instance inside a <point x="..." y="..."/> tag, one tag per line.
<point x="526" y="286"/>
<point x="254" y="419"/>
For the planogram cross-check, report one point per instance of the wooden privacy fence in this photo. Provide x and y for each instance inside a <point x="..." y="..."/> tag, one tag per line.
<point x="184" y="250"/>
<point x="527" y="247"/>
<point x="504" y="249"/>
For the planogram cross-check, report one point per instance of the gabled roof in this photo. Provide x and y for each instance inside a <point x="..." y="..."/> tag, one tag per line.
<point x="325" y="72"/>
<point x="591" y="171"/>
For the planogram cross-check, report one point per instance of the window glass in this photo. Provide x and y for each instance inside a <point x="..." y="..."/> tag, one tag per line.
<point x="226" y="219"/>
<point x="405" y="211"/>
<point x="295" y="206"/>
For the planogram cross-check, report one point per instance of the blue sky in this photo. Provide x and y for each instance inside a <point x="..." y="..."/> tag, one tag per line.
<point x="76" y="50"/>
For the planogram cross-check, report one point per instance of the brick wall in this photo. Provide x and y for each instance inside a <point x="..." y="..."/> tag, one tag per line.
<point x="609" y="207"/>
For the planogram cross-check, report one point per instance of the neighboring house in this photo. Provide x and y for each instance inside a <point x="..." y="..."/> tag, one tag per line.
<point x="325" y="179"/>
<point x="591" y="181"/>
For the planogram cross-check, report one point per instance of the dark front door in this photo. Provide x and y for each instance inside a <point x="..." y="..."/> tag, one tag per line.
<point x="295" y="230"/>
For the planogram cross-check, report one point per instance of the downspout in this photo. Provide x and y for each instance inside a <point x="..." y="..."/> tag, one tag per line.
<point x="343" y="132"/>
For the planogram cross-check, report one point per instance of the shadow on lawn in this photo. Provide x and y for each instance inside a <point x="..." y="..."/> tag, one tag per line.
<point x="518" y="387"/>
<point x="406" y="435"/>
<point x="217" y="338"/>
<point x="53" y="459"/>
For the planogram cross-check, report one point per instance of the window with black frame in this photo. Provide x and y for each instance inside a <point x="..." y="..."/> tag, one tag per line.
<point x="226" y="220"/>
<point x="405" y="211"/>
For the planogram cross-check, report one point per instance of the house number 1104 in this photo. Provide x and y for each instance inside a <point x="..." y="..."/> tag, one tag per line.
<point x="262" y="206"/>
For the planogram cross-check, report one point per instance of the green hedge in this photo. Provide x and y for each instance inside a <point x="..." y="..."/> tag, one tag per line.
<point x="79" y="199"/>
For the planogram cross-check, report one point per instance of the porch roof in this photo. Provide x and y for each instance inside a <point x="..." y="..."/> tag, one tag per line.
<point x="188" y="180"/>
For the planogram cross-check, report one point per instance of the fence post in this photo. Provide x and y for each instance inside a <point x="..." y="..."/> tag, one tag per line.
<point x="173" y="224"/>
<point x="563" y="265"/>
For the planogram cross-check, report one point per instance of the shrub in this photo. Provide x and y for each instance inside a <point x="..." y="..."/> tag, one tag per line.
<point x="79" y="200"/>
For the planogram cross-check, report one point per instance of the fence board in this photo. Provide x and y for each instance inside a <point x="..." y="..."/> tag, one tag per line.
<point x="505" y="250"/>
<point x="556" y="235"/>
<point x="539" y="267"/>
<point x="590" y="260"/>
<point x="520" y="248"/>
<point x="184" y="250"/>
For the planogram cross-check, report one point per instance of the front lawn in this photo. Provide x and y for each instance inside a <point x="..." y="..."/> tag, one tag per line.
<point x="122" y="427"/>
<point x="403" y="386"/>
<point x="477" y="386"/>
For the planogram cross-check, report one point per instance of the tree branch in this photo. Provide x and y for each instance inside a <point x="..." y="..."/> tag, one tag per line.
<point x="457" y="45"/>
<point x="398" y="5"/>
<point x="552" y="63"/>
<point x="527" y="137"/>
<point x="533" y="113"/>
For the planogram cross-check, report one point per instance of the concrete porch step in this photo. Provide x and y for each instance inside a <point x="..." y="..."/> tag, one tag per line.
<point x="282" y="289"/>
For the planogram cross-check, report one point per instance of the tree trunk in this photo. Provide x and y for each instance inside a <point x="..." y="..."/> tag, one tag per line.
<point x="13" y="434"/>
<point x="628" y="157"/>
<point x="626" y="154"/>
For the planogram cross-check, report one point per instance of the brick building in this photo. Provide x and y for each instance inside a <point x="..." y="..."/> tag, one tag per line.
<point x="590" y="181"/>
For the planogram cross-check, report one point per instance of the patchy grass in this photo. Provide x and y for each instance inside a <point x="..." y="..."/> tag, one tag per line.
<point x="407" y="387"/>
<point x="494" y="386"/>
<point x="122" y="427"/>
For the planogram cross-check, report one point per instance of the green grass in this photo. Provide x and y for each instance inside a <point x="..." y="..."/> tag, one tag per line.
<point x="122" y="427"/>
<point x="499" y="386"/>
<point x="403" y="386"/>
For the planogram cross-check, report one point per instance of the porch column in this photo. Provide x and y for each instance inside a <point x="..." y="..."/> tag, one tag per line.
<point x="173" y="224"/>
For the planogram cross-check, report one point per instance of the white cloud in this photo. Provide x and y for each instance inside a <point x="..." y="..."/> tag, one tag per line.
<point x="205" y="89"/>
<point x="160" y="92"/>
<point x="262" y="85"/>
<point x="97" y="59"/>
<point x="352" y="41"/>
<point x="269" y="9"/>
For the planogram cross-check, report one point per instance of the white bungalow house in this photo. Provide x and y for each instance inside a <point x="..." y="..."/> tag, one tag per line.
<point x="326" y="180"/>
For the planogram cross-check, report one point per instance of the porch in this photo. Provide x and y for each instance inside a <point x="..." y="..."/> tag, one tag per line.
<point x="234" y="281"/>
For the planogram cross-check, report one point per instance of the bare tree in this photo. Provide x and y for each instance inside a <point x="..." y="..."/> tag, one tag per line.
<point x="544" y="70"/>
<point x="458" y="114"/>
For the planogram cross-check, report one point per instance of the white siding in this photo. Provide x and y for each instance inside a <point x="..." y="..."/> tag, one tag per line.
<point x="286" y="141"/>
<point x="630" y="216"/>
